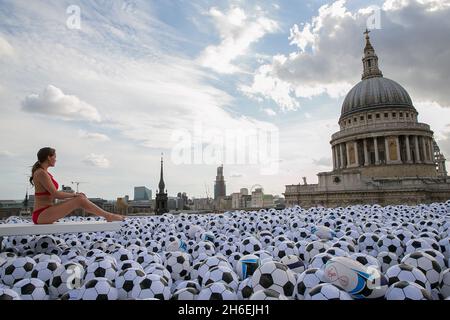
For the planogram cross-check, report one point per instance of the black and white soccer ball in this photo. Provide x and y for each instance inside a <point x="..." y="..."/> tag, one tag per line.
<point x="186" y="294"/>
<point x="366" y="259"/>
<point x="98" y="289"/>
<point x="245" y="289"/>
<point x="390" y="243"/>
<point x="337" y="252"/>
<point x="276" y="276"/>
<point x="122" y="254"/>
<point x="8" y="294"/>
<point x="70" y="254"/>
<point x="44" y="270"/>
<point x="217" y="291"/>
<point x="327" y="291"/>
<point x="249" y="245"/>
<point x="440" y="258"/>
<point x="406" y="272"/>
<point x="101" y="268"/>
<point x="127" y="280"/>
<point x="344" y="245"/>
<point x="15" y="270"/>
<point x="147" y="258"/>
<point x="267" y="294"/>
<point x="320" y="260"/>
<point x="387" y="260"/>
<point x="203" y="247"/>
<point x="128" y="264"/>
<point x="42" y="257"/>
<point x="427" y="264"/>
<point x="307" y="280"/>
<point x="294" y="263"/>
<point x="32" y="289"/>
<point x="178" y="264"/>
<point x="208" y="264"/>
<point x="404" y="290"/>
<point x="66" y="277"/>
<point x="221" y="274"/>
<point x="234" y="258"/>
<point x="187" y="284"/>
<point x="414" y="245"/>
<point x="152" y="286"/>
<point x="227" y="248"/>
<point x="45" y="244"/>
<point x="153" y="246"/>
<point x="444" y="285"/>
<point x="160" y="270"/>
<point x="314" y="248"/>
<point x="285" y="248"/>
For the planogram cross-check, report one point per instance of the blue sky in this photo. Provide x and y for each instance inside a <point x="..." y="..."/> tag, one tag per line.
<point x="110" y="94"/>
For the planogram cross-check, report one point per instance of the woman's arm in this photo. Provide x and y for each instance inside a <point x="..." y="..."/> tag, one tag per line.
<point x="64" y="195"/>
<point x="47" y="183"/>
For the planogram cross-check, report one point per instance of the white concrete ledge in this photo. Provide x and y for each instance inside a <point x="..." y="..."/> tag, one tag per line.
<point x="19" y="229"/>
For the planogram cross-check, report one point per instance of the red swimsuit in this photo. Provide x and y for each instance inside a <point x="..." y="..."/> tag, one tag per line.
<point x="36" y="213"/>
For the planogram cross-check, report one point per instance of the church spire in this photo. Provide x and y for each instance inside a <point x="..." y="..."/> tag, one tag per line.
<point x="161" y="179"/>
<point x="370" y="60"/>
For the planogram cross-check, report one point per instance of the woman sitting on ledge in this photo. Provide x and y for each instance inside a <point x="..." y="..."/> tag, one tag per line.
<point x="45" y="211"/>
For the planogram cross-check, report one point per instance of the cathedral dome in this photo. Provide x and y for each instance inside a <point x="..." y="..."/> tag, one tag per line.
<point x="374" y="93"/>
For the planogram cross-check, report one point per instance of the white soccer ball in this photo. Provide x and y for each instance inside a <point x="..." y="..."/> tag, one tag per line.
<point x="32" y="289"/>
<point x="267" y="294"/>
<point x="276" y="276"/>
<point x="98" y="289"/>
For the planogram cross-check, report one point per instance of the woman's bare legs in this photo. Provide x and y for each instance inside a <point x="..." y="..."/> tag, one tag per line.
<point x="61" y="210"/>
<point x="93" y="208"/>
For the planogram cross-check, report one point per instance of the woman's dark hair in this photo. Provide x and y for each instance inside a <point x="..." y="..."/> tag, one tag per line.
<point x="42" y="155"/>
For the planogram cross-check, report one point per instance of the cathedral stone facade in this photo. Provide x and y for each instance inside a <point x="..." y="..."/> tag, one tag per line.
<point x="382" y="154"/>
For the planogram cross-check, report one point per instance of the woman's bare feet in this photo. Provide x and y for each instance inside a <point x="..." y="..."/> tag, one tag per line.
<point x="114" y="217"/>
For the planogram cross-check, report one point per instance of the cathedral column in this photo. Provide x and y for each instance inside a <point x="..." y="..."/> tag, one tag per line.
<point x="347" y="149"/>
<point x="399" y="158"/>
<point x="416" y="143"/>
<point x="334" y="158"/>
<point x="431" y="149"/>
<point x="425" y="152"/>
<point x="386" y="150"/>
<point x="355" y="144"/>
<point x="408" y="150"/>
<point x="375" y="145"/>
<point x="366" y="153"/>
<point x="341" y="152"/>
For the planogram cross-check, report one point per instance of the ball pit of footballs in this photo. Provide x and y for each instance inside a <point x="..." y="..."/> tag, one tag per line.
<point x="357" y="252"/>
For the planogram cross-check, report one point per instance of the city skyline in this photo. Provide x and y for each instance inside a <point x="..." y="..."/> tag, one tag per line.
<point x="109" y="95"/>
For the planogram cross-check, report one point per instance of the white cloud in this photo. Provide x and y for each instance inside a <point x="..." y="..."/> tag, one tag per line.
<point x="433" y="113"/>
<point x="97" y="160"/>
<point x="93" y="136"/>
<point x="268" y="86"/>
<point x="5" y="47"/>
<point x="270" y="112"/>
<point x="238" y="31"/>
<point x="330" y="47"/>
<point x="53" y="102"/>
